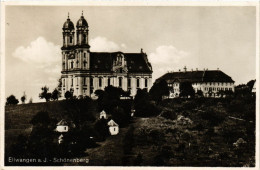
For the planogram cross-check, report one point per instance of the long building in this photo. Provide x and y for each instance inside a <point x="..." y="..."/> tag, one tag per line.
<point x="210" y="82"/>
<point x="84" y="72"/>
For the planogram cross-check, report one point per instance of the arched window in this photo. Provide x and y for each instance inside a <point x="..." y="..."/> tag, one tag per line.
<point x="138" y="83"/>
<point x="91" y="82"/>
<point x="70" y="39"/>
<point x="145" y="83"/>
<point x="108" y="81"/>
<point x="120" y="82"/>
<point x="71" y="65"/>
<point x="84" y="38"/>
<point x="100" y="82"/>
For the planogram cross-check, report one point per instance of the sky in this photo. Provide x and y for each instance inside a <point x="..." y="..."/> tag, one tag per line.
<point x="172" y="37"/>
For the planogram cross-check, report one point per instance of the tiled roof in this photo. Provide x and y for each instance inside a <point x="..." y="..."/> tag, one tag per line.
<point x="103" y="62"/>
<point x="197" y="76"/>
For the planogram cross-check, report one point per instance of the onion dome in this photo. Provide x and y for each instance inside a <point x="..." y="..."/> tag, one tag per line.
<point x="82" y="22"/>
<point x="68" y="25"/>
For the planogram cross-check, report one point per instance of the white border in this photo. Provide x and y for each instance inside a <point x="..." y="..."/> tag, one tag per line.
<point x="122" y="3"/>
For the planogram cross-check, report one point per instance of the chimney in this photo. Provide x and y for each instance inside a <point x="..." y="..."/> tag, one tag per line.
<point x="217" y="68"/>
<point x="196" y="69"/>
<point x="179" y="70"/>
<point x="142" y="50"/>
<point x="192" y="70"/>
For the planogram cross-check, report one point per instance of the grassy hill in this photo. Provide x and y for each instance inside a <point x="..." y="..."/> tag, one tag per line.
<point x="18" y="117"/>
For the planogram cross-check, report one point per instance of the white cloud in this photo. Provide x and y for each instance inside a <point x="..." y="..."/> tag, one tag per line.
<point x="40" y="52"/>
<point x="39" y="65"/>
<point x="169" y="58"/>
<point x="102" y="44"/>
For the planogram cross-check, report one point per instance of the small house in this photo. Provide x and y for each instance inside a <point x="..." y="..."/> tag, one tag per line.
<point x="113" y="127"/>
<point x="103" y="115"/>
<point x="62" y="126"/>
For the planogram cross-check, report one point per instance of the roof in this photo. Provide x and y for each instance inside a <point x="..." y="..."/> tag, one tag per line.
<point x="68" y="25"/>
<point x="197" y="76"/>
<point x="62" y="123"/>
<point x="82" y="22"/>
<point x="112" y="123"/>
<point x="103" y="62"/>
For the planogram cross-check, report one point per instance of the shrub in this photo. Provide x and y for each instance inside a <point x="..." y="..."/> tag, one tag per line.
<point x="11" y="100"/>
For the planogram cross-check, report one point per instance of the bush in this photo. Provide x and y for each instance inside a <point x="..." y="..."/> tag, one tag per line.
<point x="11" y="100"/>
<point x="146" y="109"/>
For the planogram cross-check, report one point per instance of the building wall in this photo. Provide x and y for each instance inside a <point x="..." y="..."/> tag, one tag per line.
<point x="205" y="87"/>
<point x="75" y="82"/>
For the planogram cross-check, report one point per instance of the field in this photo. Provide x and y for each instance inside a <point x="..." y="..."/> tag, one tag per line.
<point x="201" y="132"/>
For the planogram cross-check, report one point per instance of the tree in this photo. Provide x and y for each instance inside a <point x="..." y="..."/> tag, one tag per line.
<point x="186" y="90"/>
<point x="55" y="94"/>
<point x="68" y="95"/>
<point x="44" y="94"/>
<point x="200" y="93"/>
<point x="159" y="89"/>
<point x="31" y="100"/>
<point x="11" y="100"/>
<point x="23" y="98"/>
<point x="41" y="118"/>
<point x="250" y="84"/>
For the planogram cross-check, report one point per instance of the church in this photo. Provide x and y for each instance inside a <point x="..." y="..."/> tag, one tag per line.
<point x="84" y="72"/>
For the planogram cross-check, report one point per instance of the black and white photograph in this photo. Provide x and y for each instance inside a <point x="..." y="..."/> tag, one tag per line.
<point x="130" y="85"/>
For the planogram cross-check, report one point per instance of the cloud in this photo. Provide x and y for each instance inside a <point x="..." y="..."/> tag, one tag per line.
<point x="36" y="65"/>
<point x="102" y="44"/>
<point x="40" y="52"/>
<point x="169" y="58"/>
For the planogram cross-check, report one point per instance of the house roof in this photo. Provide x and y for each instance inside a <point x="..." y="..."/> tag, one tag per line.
<point x="112" y="123"/>
<point x="62" y="123"/>
<point x="103" y="61"/>
<point x="197" y="76"/>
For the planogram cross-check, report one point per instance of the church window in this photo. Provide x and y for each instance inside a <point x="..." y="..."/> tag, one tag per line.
<point x="63" y="82"/>
<point x="77" y="63"/>
<point x="129" y="82"/>
<point x="84" y="38"/>
<point x="63" y="65"/>
<point x="71" y="66"/>
<point x="100" y="81"/>
<point x="85" y="81"/>
<point x="70" y="39"/>
<point x="84" y="64"/>
<point x="71" y="81"/>
<point x="77" y="81"/>
<point x="84" y="55"/>
<point x="137" y="83"/>
<point x="121" y="70"/>
<point x="146" y="83"/>
<point x="120" y="82"/>
<point x="108" y="81"/>
<point x="91" y="82"/>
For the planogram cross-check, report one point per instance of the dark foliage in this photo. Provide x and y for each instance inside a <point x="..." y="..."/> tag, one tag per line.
<point x="159" y="89"/>
<point x="11" y="100"/>
<point x="45" y="94"/>
<point x="55" y="95"/>
<point x="186" y="90"/>
<point x="68" y="95"/>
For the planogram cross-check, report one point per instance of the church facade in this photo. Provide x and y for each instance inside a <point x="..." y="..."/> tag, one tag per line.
<point x="84" y="72"/>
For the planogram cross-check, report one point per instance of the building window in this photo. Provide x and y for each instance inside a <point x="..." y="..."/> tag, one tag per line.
<point x="84" y="38"/>
<point x="129" y="82"/>
<point x="71" y="64"/>
<point x="91" y="82"/>
<point x="108" y="81"/>
<point x="120" y="82"/>
<point x="137" y="83"/>
<point x="100" y="81"/>
<point x="70" y="39"/>
<point x="84" y="55"/>
<point x="145" y="83"/>
<point x="71" y="81"/>
<point x="77" y="81"/>
<point x="63" y="83"/>
<point x="85" y="81"/>
<point x="84" y="64"/>
<point x="63" y="65"/>
<point x="65" y="128"/>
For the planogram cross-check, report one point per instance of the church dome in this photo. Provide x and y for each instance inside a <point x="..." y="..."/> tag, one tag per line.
<point x="68" y="25"/>
<point x="82" y="22"/>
